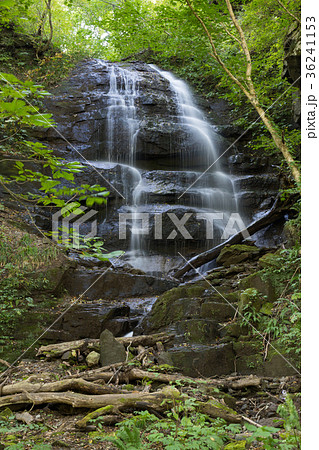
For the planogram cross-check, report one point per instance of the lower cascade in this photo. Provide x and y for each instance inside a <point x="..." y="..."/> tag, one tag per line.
<point x="186" y="204"/>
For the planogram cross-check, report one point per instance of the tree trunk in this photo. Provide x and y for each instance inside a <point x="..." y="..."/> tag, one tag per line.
<point x="275" y="213"/>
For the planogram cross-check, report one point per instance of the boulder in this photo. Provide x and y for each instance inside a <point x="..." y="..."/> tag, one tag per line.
<point x="111" y="351"/>
<point x="201" y="360"/>
<point x="236" y="254"/>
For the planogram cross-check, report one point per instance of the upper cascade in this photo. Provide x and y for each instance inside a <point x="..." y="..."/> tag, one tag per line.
<point x="122" y="124"/>
<point x="141" y="134"/>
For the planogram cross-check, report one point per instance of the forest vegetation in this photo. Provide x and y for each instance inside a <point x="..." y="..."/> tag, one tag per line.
<point x="234" y="50"/>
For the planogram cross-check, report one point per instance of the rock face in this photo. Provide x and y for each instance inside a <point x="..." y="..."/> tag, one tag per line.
<point x="110" y="284"/>
<point x="111" y="351"/>
<point x="158" y="164"/>
<point x="204" y="317"/>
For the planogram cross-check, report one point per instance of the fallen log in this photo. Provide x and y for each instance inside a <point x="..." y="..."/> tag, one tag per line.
<point x="72" y="384"/>
<point x="107" y="404"/>
<point x="276" y="212"/>
<point x="77" y="400"/>
<point x="133" y="374"/>
<point x="57" y="350"/>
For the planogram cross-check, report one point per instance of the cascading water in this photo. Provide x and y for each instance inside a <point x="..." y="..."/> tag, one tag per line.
<point x="211" y="190"/>
<point x="207" y="191"/>
<point x="121" y="116"/>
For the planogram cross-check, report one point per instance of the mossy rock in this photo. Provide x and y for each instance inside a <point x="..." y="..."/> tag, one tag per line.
<point x="280" y="363"/>
<point x="291" y="233"/>
<point x="257" y="281"/>
<point x="175" y="305"/>
<point x="249" y="296"/>
<point x="171" y="311"/>
<point x="250" y="364"/>
<point x="224" y="295"/>
<point x="235" y="330"/>
<point x="268" y="261"/>
<point x="200" y="360"/>
<point x="217" y="311"/>
<point x="247" y="348"/>
<point x="199" y="331"/>
<point x="236" y="254"/>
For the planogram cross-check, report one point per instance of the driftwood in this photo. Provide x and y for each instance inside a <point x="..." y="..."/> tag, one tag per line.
<point x="57" y="350"/>
<point x="276" y="212"/>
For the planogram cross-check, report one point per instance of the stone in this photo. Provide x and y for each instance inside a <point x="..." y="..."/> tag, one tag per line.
<point x="66" y="356"/>
<point x="279" y="363"/>
<point x="111" y="351"/>
<point x="235" y="254"/>
<point x="199" y="331"/>
<point x="249" y="296"/>
<point x="234" y="330"/>
<point x="247" y="348"/>
<point x="177" y="304"/>
<point x="200" y="360"/>
<point x="291" y="234"/>
<point x="250" y="364"/>
<point x="261" y="284"/>
<point x="220" y="312"/>
<point x="24" y="417"/>
<point x="292" y="58"/>
<point x="101" y="284"/>
<point x="92" y="359"/>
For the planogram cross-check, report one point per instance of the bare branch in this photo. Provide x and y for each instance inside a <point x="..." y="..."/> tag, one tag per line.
<point x="289" y="12"/>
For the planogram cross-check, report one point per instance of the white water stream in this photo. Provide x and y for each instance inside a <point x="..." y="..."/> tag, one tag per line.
<point x="210" y="192"/>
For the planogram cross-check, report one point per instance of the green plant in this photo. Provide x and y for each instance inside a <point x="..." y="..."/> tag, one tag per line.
<point x="272" y="437"/>
<point x="12" y="433"/>
<point x="127" y="439"/>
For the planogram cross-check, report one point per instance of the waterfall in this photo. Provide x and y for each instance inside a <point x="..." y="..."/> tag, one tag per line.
<point x="212" y="190"/>
<point x="203" y="192"/>
<point x="122" y="125"/>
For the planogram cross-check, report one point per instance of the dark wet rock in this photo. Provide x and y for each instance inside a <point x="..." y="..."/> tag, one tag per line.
<point x="111" y="351"/>
<point x="88" y="320"/>
<point x="110" y="284"/>
<point x="201" y="360"/>
<point x="220" y="312"/>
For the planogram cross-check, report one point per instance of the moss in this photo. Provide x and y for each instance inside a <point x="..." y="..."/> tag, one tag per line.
<point x="268" y="260"/>
<point x="251" y="364"/>
<point x="221" y="406"/>
<point x="247" y="348"/>
<point x="176" y="304"/>
<point x="235" y="254"/>
<point x="257" y="281"/>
